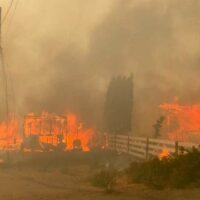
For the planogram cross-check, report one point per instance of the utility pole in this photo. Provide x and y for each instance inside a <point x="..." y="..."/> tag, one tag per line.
<point x="4" y="69"/>
<point x="5" y="82"/>
<point x="0" y="25"/>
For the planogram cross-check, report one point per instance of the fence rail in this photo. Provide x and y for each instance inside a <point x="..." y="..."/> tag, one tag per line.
<point x="145" y="148"/>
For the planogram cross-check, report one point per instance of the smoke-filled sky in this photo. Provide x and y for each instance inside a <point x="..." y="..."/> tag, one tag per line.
<point x="61" y="54"/>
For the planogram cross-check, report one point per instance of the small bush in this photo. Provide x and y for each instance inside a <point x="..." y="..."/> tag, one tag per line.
<point x="105" y="179"/>
<point x="64" y="170"/>
<point x="153" y="173"/>
<point x="176" y="171"/>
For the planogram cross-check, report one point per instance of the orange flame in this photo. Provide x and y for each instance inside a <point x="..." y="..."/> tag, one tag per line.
<point x="164" y="154"/>
<point x="78" y="132"/>
<point x="9" y="134"/>
<point x="53" y="129"/>
<point x="182" y="122"/>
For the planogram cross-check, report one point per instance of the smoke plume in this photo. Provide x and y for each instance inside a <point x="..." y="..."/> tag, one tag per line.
<point x="62" y="56"/>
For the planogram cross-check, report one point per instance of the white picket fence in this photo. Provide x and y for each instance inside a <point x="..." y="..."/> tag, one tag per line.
<point x="145" y="148"/>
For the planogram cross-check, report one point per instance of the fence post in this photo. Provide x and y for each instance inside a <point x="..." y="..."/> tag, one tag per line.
<point x="176" y="148"/>
<point x="147" y="148"/>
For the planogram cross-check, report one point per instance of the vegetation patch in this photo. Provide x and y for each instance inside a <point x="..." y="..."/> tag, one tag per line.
<point x="175" y="171"/>
<point x="105" y="179"/>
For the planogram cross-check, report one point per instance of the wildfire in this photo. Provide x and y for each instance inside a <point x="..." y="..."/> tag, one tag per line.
<point x="9" y="134"/>
<point x="164" y="154"/>
<point x="77" y="132"/>
<point x="182" y="122"/>
<point x="58" y="131"/>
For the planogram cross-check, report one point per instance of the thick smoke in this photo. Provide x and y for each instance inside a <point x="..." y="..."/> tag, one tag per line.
<point x="159" y="41"/>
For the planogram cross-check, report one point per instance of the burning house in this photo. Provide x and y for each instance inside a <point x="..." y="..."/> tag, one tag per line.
<point x="182" y="122"/>
<point x="54" y="132"/>
<point x="44" y="131"/>
<point x="9" y="134"/>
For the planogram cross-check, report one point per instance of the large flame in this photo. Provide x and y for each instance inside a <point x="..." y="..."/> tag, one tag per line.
<point x="182" y="121"/>
<point x="9" y="134"/>
<point x="78" y="132"/>
<point x="54" y="129"/>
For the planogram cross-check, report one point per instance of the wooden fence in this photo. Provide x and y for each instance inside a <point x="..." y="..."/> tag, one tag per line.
<point x="145" y="148"/>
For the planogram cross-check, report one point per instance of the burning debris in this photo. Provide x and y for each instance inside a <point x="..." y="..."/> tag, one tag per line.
<point x="182" y="122"/>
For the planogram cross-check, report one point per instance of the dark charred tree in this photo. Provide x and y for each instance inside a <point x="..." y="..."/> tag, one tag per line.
<point x="157" y="126"/>
<point x="119" y="106"/>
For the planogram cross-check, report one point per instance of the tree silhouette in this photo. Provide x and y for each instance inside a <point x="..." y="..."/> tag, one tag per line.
<point x="157" y="126"/>
<point x="118" y="105"/>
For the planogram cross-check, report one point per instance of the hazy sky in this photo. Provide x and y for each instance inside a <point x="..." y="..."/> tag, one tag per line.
<point x="61" y="54"/>
<point x="38" y="34"/>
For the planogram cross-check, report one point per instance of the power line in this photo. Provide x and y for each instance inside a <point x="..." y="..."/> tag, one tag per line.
<point x="7" y="11"/>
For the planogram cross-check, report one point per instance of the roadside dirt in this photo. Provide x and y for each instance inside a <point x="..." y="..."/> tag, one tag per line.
<point x="73" y="182"/>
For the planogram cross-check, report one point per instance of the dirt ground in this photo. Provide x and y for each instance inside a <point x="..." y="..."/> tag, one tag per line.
<point x="32" y="180"/>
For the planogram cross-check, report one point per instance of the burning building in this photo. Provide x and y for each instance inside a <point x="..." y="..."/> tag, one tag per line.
<point x="9" y="134"/>
<point x="50" y="131"/>
<point x="182" y="122"/>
